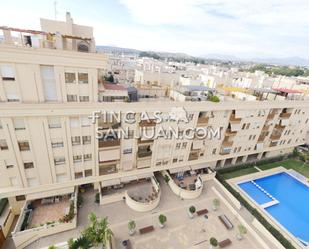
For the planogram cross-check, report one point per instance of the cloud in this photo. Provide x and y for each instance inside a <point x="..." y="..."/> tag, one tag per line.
<point x="242" y="27"/>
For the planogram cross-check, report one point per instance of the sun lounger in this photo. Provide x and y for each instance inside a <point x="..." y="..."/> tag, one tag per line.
<point x="146" y="229"/>
<point x="202" y="212"/>
<point x="226" y="222"/>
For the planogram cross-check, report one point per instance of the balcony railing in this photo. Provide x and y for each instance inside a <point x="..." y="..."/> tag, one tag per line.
<point x="203" y="120"/>
<point x="275" y="136"/>
<point x="285" y="115"/>
<point x="144" y="153"/>
<point x="234" y="120"/>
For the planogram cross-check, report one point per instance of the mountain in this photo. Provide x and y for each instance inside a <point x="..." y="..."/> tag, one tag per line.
<point x="294" y="61"/>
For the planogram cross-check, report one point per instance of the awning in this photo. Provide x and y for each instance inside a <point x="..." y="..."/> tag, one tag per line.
<point x="110" y="182"/>
<point x="51" y="193"/>
<point x="146" y="175"/>
<point x="179" y="169"/>
<point x="128" y="178"/>
<point x="198" y="166"/>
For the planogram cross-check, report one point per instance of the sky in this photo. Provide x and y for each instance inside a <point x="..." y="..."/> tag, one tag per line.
<point x="241" y="28"/>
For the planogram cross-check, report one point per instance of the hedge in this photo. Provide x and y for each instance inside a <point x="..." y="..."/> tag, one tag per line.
<point x="252" y="164"/>
<point x="286" y="243"/>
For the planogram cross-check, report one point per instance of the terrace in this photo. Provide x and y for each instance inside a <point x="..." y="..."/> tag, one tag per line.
<point x="141" y="194"/>
<point x="43" y="217"/>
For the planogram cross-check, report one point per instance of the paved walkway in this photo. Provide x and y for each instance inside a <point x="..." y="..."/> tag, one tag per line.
<point x="180" y="231"/>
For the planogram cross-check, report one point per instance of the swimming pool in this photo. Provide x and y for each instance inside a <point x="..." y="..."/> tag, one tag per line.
<point x="293" y="197"/>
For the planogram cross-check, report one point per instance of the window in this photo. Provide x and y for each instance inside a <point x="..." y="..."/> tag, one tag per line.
<point x="1" y="125"/>
<point x="127" y="151"/>
<point x="7" y="73"/>
<point x="49" y="83"/>
<point x="184" y="145"/>
<point x="78" y="175"/>
<point x="178" y="146"/>
<point x="70" y="77"/>
<point x="214" y="151"/>
<point x="74" y="122"/>
<point x="84" y="98"/>
<point x="175" y="160"/>
<point x="20" y="198"/>
<point x="88" y="172"/>
<point x="87" y="157"/>
<point x="77" y="159"/>
<point x="57" y="144"/>
<point x="75" y="140"/>
<point x="54" y="122"/>
<point x="10" y="166"/>
<point x="29" y="165"/>
<point x="59" y="160"/>
<point x="19" y="124"/>
<point x="86" y="139"/>
<point x="83" y="78"/>
<point x="71" y="98"/>
<point x="3" y="145"/>
<point x="23" y="145"/>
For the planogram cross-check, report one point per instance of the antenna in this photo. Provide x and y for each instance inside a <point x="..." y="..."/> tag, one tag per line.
<point x="55" y="9"/>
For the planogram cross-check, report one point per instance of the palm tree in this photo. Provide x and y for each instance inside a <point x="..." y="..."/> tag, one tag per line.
<point x="98" y="231"/>
<point x="215" y="204"/>
<point x="52" y="247"/>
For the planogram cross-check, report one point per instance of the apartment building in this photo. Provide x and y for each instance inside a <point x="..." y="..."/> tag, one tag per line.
<point x="48" y="144"/>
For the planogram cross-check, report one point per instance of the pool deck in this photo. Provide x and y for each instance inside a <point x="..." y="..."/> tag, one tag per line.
<point x="251" y="177"/>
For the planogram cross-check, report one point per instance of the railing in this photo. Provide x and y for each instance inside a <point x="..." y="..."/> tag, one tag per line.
<point x="145" y="206"/>
<point x="285" y="115"/>
<point x="142" y="154"/>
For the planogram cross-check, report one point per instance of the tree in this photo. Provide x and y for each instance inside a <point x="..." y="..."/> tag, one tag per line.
<point x="80" y="243"/>
<point x="98" y="231"/>
<point x="52" y="247"/>
<point x="192" y="210"/>
<point x="242" y="230"/>
<point x="216" y="204"/>
<point x="131" y="227"/>
<point x="213" y="242"/>
<point x="110" y="78"/>
<point x="162" y="219"/>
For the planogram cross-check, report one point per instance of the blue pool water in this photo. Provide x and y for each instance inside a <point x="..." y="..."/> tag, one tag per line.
<point x="293" y="196"/>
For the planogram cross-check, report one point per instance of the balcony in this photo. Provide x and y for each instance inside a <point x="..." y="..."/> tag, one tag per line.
<point x="234" y="120"/>
<point x="202" y="121"/>
<point x="275" y="136"/>
<point x="271" y="115"/>
<point x="109" y="167"/>
<point x="109" y="143"/>
<point x="186" y="185"/>
<point x="147" y="123"/>
<point x="194" y="155"/>
<point x="265" y="127"/>
<point x="285" y="115"/>
<point x="230" y="133"/>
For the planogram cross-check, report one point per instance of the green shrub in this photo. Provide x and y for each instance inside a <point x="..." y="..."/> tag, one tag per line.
<point x="68" y="217"/>
<point x="166" y="178"/>
<point x="192" y="209"/>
